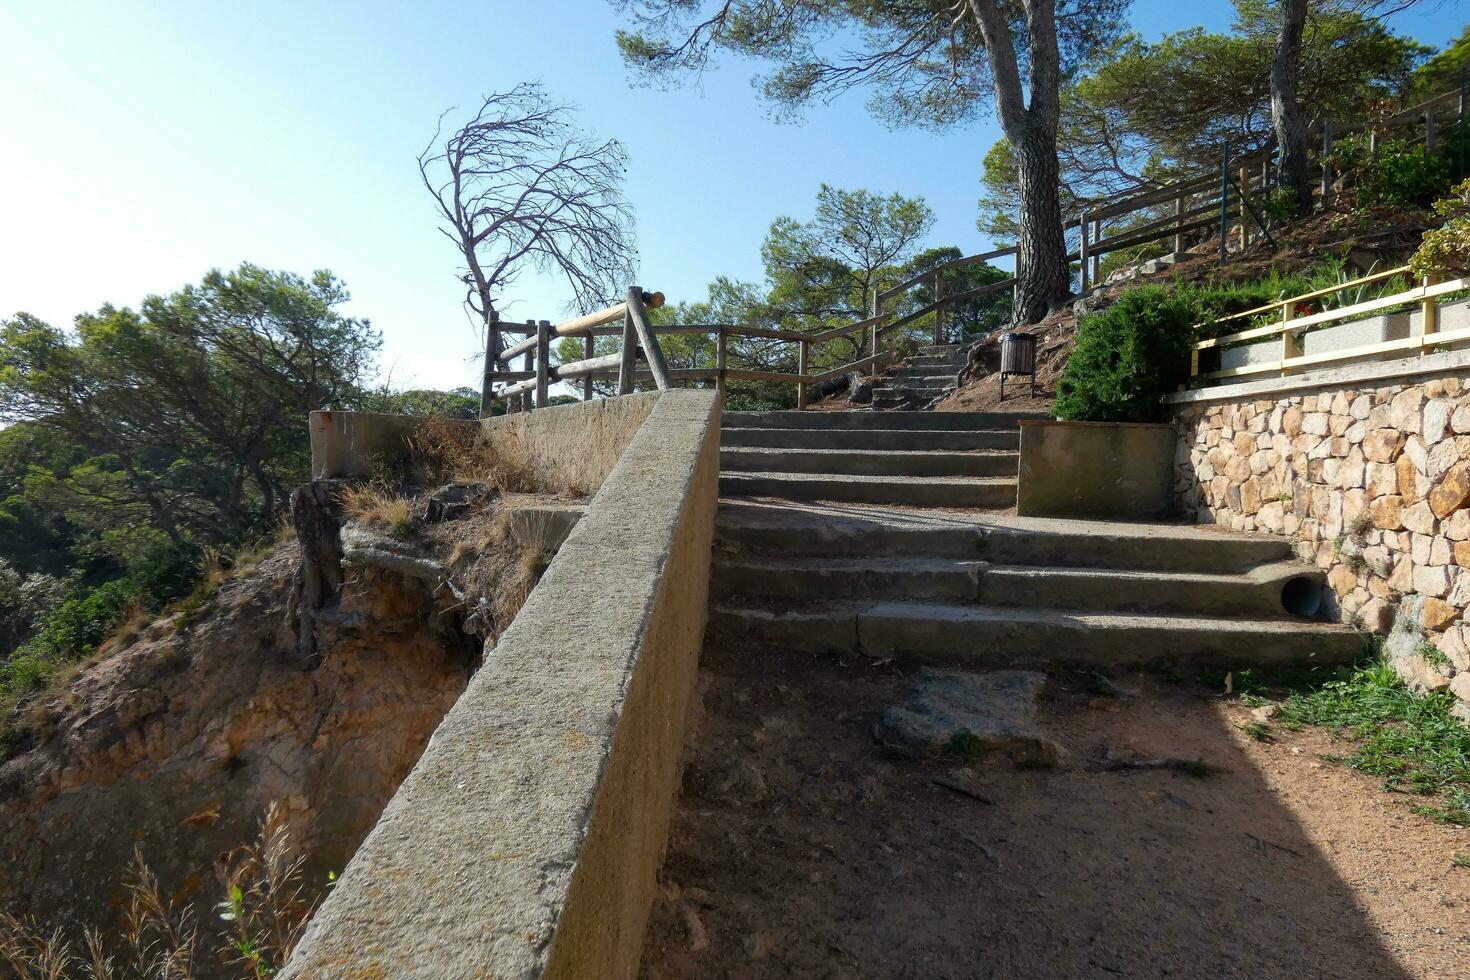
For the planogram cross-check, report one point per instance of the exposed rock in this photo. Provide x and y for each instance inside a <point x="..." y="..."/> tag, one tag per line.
<point x="970" y="714"/>
<point x="453" y="500"/>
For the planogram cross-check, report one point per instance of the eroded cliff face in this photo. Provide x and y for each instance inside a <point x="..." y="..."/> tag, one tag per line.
<point x="315" y="686"/>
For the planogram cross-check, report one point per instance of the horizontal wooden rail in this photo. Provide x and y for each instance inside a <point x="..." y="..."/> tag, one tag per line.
<point x="1304" y="297"/>
<point x="1290" y="326"/>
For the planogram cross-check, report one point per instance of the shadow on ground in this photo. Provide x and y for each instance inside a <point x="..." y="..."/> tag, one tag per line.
<point x="800" y="849"/>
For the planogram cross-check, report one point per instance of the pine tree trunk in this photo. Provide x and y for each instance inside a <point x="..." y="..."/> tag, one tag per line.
<point x="1045" y="279"/>
<point x="1286" y="107"/>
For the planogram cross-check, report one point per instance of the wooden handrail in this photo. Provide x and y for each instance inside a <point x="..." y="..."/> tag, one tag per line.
<point x="1325" y="291"/>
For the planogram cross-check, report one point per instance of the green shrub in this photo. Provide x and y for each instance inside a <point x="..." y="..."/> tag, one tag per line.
<point x="1446" y="249"/>
<point x="1395" y="172"/>
<point x="1127" y="357"/>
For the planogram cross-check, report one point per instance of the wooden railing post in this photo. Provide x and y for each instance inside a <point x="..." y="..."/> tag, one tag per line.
<point x="1245" y="178"/>
<point x="543" y="361"/>
<point x="1291" y="341"/>
<point x="589" y="349"/>
<point x="629" y="363"/>
<point x="1178" y="225"/>
<point x="720" y="382"/>
<point x="647" y="339"/>
<point x="1431" y="136"/>
<point x="1428" y="314"/>
<point x="1326" y="161"/>
<point x="877" y="312"/>
<point x="526" y="365"/>
<point x="1097" y="234"/>
<point x="1082" y="250"/>
<point x="803" y="393"/>
<point x="492" y="364"/>
<point x="1224" y="200"/>
<point x="938" y="308"/>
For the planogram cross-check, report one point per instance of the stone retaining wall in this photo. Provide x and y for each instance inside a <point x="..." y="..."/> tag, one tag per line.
<point x="1371" y="481"/>
<point x="526" y="842"/>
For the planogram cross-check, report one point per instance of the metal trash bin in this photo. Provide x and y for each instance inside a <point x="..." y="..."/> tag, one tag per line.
<point x="1017" y="359"/>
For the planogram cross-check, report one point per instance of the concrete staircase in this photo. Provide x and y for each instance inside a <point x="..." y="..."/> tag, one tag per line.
<point x="831" y="539"/>
<point x="917" y="381"/>
<point x="918" y="459"/>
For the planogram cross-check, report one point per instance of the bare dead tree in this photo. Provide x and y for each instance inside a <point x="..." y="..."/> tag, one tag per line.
<point x="520" y="186"/>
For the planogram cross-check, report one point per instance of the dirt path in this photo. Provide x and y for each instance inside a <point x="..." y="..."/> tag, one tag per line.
<point x="799" y="849"/>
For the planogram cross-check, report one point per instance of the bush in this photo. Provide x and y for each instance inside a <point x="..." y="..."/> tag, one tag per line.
<point x="1127" y="357"/>
<point x="1446" y="249"/>
<point x="1395" y="172"/>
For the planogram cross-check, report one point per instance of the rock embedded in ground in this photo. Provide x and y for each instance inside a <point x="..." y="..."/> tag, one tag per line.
<point x="960" y="712"/>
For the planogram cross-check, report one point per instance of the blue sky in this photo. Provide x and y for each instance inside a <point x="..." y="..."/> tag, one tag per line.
<point x="143" y="144"/>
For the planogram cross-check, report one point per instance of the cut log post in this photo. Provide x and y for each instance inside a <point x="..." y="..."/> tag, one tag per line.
<point x="802" y="391"/>
<point x="492" y="360"/>
<point x="630" y="355"/>
<point x="588" y="348"/>
<point x="1431" y="134"/>
<point x="647" y="339"/>
<point x="938" y="310"/>
<point x="543" y="361"/>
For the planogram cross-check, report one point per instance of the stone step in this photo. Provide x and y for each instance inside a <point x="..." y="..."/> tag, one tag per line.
<point x="1274" y="590"/>
<point x="921" y="392"/>
<point x="988" y="636"/>
<point x="971" y="421"/>
<point x="920" y="377"/>
<point x="792" y="531"/>
<point x="846" y="578"/>
<point x="919" y="440"/>
<point x="867" y="462"/>
<point x="951" y="350"/>
<point x="913" y="491"/>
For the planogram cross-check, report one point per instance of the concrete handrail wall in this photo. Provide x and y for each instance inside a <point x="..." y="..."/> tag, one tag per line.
<point x="527" y="839"/>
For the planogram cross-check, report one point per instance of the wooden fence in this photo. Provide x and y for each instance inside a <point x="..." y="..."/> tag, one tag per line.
<point x="1228" y="201"/>
<point x="641" y="357"/>
<point x="1291" y="323"/>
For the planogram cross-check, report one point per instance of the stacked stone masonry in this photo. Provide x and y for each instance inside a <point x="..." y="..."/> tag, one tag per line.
<point x="1372" y="484"/>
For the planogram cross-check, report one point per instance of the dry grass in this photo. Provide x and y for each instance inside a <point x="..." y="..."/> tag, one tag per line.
<point x="533" y="556"/>
<point x="377" y="506"/>
<point x="453" y="451"/>
<point x="265" y="911"/>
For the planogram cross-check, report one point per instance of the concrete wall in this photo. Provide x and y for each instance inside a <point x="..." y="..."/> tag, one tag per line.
<point x="526" y="841"/>
<point x="565" y="447"/>
<point x="572" y="447"/>
<point x="345" y="444"/>
<point x="1094" y="469"/>
<point x="1367" y="470"/>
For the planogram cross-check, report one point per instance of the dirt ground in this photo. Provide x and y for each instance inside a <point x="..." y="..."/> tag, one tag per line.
<point x="800" y="850"/>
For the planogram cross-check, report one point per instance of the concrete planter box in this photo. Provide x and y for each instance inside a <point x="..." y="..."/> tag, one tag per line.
<point x="1264" y="352"/>
<point x="1452" y="316"/>
<point x="1095" y="469"/>
<point x="1358" y="333"/>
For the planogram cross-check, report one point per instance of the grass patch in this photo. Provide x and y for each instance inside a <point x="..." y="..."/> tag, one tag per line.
<point x="377" y="507"/>
<point x="1258" y="731"/>
<point x="1411" y="742"/>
